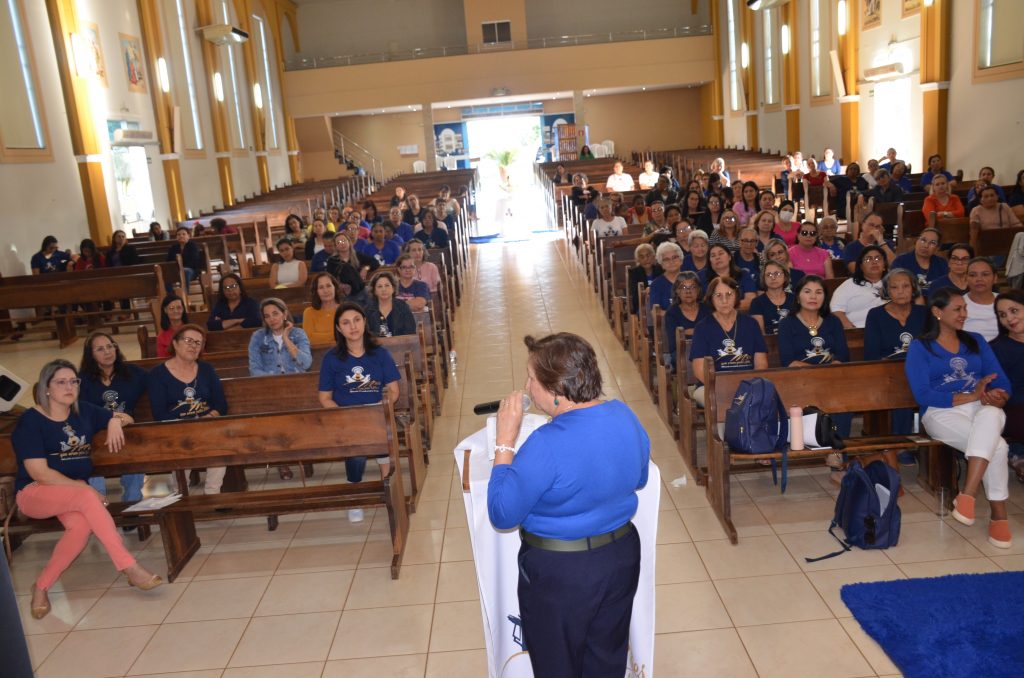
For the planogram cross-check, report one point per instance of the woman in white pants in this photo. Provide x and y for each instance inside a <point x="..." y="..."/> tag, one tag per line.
<point x="961" y="389"/>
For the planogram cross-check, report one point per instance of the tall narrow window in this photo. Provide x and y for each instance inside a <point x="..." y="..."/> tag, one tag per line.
<point x="234" y="97"/>
<point x="998" y="43"/>
<point x="771" y="88"/>
<point x="821" y="44"/>
<point x="21" y="115"/>
<point x="734" y="75"/>
<point x="194" y="137"/>
<point x="265" y="79"/>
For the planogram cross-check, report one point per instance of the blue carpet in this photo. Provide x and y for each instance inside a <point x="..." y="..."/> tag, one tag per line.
<point x="918" y="623"/>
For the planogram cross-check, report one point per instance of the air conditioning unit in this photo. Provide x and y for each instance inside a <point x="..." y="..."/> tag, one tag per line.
<point x="134" y="137"/>
<point x="223" y="34"/>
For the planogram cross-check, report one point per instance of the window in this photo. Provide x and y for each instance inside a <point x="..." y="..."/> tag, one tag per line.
<point x="732" y="27"/>
<point x="233" y="96"/>
<point x="497" y="32"/>
<point x="999" y="40"/>
<point x="22" y="125"/>
<point x="821" y="45"/>
<point x="771" y="62"/>
<point x="179" y="66"/>
<point x="264" y="78"/>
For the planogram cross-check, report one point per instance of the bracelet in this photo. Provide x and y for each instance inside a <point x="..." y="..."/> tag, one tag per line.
<point x="505" y="448"/>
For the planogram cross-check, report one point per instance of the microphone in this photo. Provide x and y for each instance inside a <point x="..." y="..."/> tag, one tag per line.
<point x="492" y="407"/>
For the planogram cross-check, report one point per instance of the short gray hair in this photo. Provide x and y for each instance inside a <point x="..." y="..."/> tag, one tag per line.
<point x="886" y="281"/>
<point x="696" y="233"/>
<point x="41" y="394"/>
<point x="643" y="247"/>
<point x="665" y="248"/>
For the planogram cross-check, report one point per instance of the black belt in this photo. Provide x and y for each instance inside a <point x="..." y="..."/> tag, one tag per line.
<point x="568" y="545"/>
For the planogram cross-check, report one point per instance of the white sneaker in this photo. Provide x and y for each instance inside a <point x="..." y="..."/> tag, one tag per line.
<point x="355" y="515"/>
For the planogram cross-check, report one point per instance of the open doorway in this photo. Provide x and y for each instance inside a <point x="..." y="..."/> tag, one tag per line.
<point x="131" y="175"/>
<point x="507" y="147"/>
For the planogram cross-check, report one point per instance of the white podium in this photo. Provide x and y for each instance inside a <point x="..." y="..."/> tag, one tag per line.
<point x="495" y="554"/>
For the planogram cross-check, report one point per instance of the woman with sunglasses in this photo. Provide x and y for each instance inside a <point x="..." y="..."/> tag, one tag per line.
<point x="53" y="446"/>
<point x="185" y="387"/>
<point x="234" y="308"/>
<point x="111" y="382"/>
<point x="805" y="254"/>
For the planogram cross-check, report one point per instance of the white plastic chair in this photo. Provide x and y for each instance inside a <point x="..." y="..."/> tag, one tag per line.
<point x="419" y="167"/>
<point x="451" y="163"/>
<point x="599" y="151"/>
<point x="610" y="145"/>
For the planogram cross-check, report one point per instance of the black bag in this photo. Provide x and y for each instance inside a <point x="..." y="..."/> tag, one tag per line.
<point x="820" y="430"/>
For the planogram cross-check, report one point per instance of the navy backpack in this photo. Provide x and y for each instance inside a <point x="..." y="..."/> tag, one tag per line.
<point x="866" y="509"/>
<point x="757" y="423"/>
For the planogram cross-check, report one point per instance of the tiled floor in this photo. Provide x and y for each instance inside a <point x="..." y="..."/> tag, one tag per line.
<point x="315" y="598"/>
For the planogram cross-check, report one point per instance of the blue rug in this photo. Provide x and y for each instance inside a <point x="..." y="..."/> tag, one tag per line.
<point x="916" y="623"/>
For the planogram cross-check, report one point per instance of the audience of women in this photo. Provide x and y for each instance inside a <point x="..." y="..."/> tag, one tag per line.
<point x="357" y="372"/>
<point x="770" y="308"/>
<point x="960" y="256"/>
<point x="670" y="258"/>
<point x="805" y="255"/>
<point x="924" y="262"/>
<point x="980" y="299"/>
<point x="318" y="318"/>
<point x="1009" y="350"/>
<point x="733" y="340"/>
<point x="52" y="443"/>
<point x="646" y="271"/>
<point x="49" y="258"/>
<point x="863" y="291"/>
<point x="111" y="382"/>
<point x="234" y="308"/>
<point x="172" y="316"/>
<point x="387" y="315"/>
<point x="185" y="387"/>
<point x="289" y="272"/>
<point x="961" y="390"/>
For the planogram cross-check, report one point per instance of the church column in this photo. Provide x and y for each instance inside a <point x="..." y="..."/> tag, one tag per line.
<point x="256" y="102"/>
<point x="286" y="10"/>
<point x="849" y="105"/>
<point x="935" y="48"/>
<point x="717" y="121"/>
<point x="221" y="141"/>
<point x="747" y="20"/>
<point x="84" y="140"/>
<point x="791" y="78"/>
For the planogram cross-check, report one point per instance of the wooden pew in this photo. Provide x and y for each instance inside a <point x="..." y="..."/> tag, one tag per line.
<point x="866" y="387"/>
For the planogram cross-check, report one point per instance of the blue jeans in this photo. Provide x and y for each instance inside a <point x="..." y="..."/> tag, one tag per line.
<point x="131" y="486"/>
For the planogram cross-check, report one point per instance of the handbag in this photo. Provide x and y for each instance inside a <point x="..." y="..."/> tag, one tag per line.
<point x="820" y="430"/>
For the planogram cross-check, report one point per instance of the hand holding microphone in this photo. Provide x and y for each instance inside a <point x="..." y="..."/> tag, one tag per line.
<point x="510" y="417"/>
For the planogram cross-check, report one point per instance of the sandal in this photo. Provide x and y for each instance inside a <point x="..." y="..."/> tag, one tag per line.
<point x="40" y="611"/>
<point x="834" y="460"/>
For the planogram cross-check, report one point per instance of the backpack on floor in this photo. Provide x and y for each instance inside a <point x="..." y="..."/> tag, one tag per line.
<point x="756" y="423"/>
<point x="866" y="509"/>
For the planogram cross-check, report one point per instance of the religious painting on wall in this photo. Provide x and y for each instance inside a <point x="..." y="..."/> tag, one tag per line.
<point x="131" y="56"/>
<point x="871" y="14"/>
<point x="910" y="7"/>
<point x="90" y="34"/>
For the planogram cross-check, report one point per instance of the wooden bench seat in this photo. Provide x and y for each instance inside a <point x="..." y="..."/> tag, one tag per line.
<point x="866" y="387"/>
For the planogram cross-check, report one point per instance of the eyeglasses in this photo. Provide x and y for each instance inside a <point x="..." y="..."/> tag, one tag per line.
<point x="809" y="234"/>
<point x="671" y="257"/>
<point x="195" y="343"/>
<point x="407" y="268"/>
<point x="728" y="218"/>
<point x="104" y="349"/>
<point x="61" y="383"/>
<point x="929" y="243"/>
<point x="748" y="241"/>
<point x="872" y="260"/>
<point x="960" y="260"/>
<point x="231" y="287"/>
<point x="689" y="288"/>
<point x="774" y="274"/>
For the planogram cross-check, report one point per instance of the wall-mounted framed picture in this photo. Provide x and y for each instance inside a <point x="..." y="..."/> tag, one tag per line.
<point x="870" y="14"/>
<point x="90" y="34"/>
<point x="910" y="7"/>
<point x="131" y="57"/>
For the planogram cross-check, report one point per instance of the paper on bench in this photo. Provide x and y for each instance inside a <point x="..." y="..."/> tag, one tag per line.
<point x="153" y="503"/>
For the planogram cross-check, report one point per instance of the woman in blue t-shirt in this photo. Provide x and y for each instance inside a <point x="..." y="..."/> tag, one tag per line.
<point x="770" y="308"/>
<point x="961" y="389"/>
<point x="733" y="340"/>
<point x="111" y="382"/>
<point x="49" y="258"/>
<point x="721" y="265"/>
<point x="184" y="387"/>
<point x="357" y="372"/>
<point x="686" y="311"/>
<point x="53" y="445"/>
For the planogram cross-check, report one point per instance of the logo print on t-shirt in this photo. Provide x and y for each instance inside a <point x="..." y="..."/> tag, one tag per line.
<point x="73" y="445"/>
<point x="731" y="355"/>
<point x="193" y="407"/>
<point x="360" y="381"/>
<point x="110" y="397"/>
<point x="818" y="353"/>
<point x="960" y="373"/>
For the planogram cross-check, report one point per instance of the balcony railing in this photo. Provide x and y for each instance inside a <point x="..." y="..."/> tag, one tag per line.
<point x="299" y="64"/>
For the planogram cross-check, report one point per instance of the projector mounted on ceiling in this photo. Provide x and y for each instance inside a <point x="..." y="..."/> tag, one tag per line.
<point x="223" y="34"/>
<point x="756" y="5"/>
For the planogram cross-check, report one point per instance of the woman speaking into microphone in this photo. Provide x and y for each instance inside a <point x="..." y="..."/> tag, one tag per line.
<point x="571" y="489"/>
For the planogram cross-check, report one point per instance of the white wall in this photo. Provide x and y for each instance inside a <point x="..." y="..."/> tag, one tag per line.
<point x="580" y="17"/>
<point x="986" y="119"/>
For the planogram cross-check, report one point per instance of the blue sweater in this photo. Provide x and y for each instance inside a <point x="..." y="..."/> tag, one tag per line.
<point x="936" y="375"/>
<point x="574" y="477"/>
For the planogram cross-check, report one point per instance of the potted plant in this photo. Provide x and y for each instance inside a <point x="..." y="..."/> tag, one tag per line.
<point x="504" y="159"/>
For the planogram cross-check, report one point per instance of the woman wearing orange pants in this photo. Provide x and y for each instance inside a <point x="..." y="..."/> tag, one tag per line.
<point x="53" y="444"/>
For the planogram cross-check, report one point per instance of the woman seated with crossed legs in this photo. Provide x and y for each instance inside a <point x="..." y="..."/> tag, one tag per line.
<point x="53" y="444"/>
<point x="961" y="389"/>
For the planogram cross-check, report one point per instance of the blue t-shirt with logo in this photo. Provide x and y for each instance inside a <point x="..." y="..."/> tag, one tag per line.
<point x="171" y="399"/>
<point x="936" y="375"/>
<point x="827" y="344"/>
<point x="885" y="338"/>
<point x="772" y="314"/>
<point x="937" y="268"/>
<point x="65" y="445"/>
<point x="731" y="351"/>
<point x="120" y="395"/>
<point x="358" y="380"/>
<point x="55" y="263"/>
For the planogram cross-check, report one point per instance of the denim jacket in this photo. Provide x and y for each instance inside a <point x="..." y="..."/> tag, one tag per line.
<point x="266" y="358"/>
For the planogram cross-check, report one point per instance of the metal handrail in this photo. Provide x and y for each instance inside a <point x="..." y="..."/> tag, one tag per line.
<point x="305" y="63"/>
<point x="346" y="147"/>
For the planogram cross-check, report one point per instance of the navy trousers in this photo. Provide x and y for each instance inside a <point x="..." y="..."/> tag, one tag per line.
<point x="575" y="608"/>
